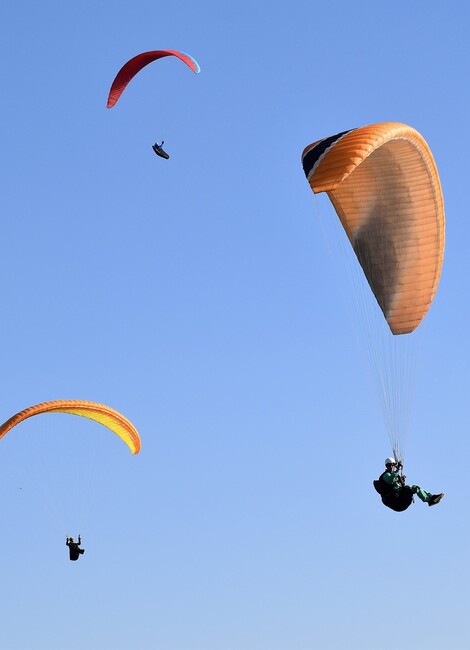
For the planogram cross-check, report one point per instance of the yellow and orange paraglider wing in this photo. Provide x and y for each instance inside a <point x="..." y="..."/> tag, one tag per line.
<point x="105" y="415"/>
<point x="384" y="185"/>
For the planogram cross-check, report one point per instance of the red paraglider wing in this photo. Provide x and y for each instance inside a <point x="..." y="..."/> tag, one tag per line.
<point x="135" y="65"/>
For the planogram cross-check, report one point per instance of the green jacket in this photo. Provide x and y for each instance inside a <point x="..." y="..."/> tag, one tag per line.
<point x="394" y="494"/>
<point x="393" y="479"/>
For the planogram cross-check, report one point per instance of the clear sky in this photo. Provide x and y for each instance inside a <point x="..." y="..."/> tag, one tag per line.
<point x="197" y="296"/>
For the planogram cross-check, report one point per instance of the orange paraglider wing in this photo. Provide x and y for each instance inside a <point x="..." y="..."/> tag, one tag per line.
<point x="384" y="185"/>
<point x="105" y="415"/>
<point x="135" y="65"/>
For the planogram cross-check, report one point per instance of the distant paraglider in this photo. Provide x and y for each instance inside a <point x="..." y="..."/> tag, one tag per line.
<point x="134" y="66"/>
<point x="108" y="417"/>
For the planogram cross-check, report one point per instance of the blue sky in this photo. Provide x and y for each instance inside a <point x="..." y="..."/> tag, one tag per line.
<point x="197" y="297"/>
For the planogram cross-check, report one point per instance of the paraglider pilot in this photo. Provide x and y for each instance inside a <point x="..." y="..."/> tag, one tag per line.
<point x="395" y="494"/>
<point x="74" y="548"/>
<point x="159" y="151"/>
